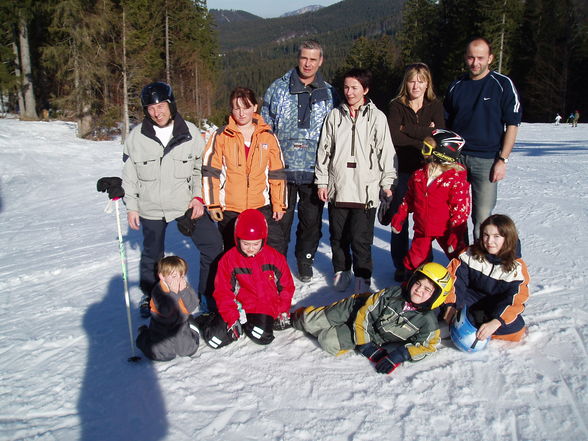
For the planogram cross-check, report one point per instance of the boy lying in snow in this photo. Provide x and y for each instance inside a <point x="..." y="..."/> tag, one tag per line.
<point x="389" y="327"/>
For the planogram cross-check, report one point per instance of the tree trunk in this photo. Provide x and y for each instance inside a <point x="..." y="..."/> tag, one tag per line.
<point x="21" y="104"/>
<point x="167" y="66"/>
<point x="30" y="111"/>
<point x="125" y="130"/>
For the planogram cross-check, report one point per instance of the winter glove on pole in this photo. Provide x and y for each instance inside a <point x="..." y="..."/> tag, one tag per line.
<point x="372" y="352"/>
<point x="216" y="214"/>
<point x="391" y="361"/>
<point x="111" y="185"/>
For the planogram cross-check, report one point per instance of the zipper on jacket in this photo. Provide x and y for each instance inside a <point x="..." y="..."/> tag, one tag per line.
<point x="353" y="137"/>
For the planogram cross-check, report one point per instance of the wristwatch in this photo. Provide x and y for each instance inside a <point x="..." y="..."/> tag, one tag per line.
<point x="505" y="160"/>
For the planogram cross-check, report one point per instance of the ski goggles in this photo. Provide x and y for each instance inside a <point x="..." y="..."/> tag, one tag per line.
<point x="427" y="149"/>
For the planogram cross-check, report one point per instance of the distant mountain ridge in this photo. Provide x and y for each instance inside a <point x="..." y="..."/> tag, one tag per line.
<point x="304" y="10"/>
<point x="232" y="16"/>
<point x="256" y="51"/>
<point x="349" y="18"/>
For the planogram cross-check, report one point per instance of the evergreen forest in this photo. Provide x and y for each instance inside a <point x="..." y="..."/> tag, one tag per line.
<point x="87" y="60"/>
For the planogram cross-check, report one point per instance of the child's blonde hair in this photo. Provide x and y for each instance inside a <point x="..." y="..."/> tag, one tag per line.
<point x="170" y="264"/>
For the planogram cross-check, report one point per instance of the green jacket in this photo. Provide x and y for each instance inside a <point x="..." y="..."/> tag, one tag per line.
<point x="382" y="319"/>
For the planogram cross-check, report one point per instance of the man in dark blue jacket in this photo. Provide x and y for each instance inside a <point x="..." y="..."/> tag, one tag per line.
<point x="483" y="106"/>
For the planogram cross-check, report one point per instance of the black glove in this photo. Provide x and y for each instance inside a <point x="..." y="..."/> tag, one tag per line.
<point x="391" y="361"/>
<point x="112" y="185"/>
<point x="385" y="212"/>
<point x="186" y="224"/>
<point x="372" y="352"/>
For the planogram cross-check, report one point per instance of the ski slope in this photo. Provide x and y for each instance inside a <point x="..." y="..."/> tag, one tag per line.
<point x="64" y="341"/>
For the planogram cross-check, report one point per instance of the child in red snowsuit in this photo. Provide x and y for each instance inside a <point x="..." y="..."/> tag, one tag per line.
<point x="439" y="197"/>
<point x="253" y="288"/>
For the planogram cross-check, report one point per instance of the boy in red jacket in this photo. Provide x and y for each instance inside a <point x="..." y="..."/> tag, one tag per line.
<point x="253" y="288"/>
<point x="439" y="197"/>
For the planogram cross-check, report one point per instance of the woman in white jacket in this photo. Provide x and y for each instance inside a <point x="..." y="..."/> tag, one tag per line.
<point x="355" y="159"/>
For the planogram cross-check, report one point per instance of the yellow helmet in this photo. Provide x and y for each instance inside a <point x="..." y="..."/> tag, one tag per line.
<point x="440" y="277"/>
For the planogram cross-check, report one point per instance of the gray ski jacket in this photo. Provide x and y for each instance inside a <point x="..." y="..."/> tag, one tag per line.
<point x="160" y="182"/>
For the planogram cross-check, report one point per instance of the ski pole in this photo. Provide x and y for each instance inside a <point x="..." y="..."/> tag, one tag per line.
<point x="123" y="263"/>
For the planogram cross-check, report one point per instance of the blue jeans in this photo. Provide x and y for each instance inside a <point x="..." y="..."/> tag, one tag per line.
<point x="484" y="192"/>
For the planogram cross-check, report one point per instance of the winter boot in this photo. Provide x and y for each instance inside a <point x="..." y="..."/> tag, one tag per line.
<point x="362" y="285"/>
<point x="304" y="271"/>
<point x="342" y="280"/>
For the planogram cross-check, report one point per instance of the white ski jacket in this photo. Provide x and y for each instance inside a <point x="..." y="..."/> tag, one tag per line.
<point x="355" y="157"/>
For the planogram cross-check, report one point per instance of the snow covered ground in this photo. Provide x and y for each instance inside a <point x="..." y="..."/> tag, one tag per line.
<point x="64" y="342"/>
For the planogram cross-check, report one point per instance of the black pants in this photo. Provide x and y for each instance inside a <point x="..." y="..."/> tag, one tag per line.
<point x="206" y="238"/>
<point x="352" y="235"/>
<point x="310" y="216"/>
<point x="275" y="237"/>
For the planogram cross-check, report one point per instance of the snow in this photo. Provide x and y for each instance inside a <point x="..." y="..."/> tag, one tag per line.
<point x="64" y="340"/>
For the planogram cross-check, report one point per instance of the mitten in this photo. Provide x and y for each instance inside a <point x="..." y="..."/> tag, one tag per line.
<point x="385" y="211"/>
<point x="216" y="214"/>
<point x="372" y="352"/>
<point x="391" y="361"/>
<point x="186" y="223"/>
<point x="112" y="185"/>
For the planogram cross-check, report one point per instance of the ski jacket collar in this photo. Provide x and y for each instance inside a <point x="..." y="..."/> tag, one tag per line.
<point x="232" y="129"/>
<point x="296" y="85"/>
<point x="180" y="134"/>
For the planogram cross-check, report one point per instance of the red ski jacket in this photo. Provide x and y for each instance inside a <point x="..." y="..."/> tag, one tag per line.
<point x="261" y="284"/>
<point x="439" y="208"/>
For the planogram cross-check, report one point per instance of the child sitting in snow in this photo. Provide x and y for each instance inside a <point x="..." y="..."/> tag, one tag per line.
<point x="439" y="197"/>
<point x="389" y="327"/>
<point x="253" y="288"/>
<point x="170" y="332"/>
<point x="492" y="281"/>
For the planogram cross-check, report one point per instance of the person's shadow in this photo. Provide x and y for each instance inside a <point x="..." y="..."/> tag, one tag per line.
<point x="119" y="400"/>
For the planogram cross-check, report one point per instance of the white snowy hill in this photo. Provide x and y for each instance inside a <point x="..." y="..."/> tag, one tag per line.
<point x="64" y="342"/>
<point x="304" y="10"/>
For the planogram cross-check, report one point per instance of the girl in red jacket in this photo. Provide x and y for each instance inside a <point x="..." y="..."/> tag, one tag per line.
<point x="253" y="288"/>
<point x="439" y="197"/>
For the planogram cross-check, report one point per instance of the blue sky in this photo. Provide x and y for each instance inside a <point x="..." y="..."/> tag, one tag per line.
<point x="266" y="8"/>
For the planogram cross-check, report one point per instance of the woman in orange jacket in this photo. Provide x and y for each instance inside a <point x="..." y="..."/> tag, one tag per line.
<point x="243" y="168"/>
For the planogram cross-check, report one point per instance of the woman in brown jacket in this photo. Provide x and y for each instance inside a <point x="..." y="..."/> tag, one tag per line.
<point x="412" y="116"/>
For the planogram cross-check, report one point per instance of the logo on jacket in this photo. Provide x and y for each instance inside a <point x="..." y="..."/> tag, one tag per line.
<point x="264" y="146"/>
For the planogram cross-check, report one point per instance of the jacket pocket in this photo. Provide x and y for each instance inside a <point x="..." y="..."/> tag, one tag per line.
<point x="183" y="168"/>
<point x="397" y="326"/>
<point x="147" y="170"/>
